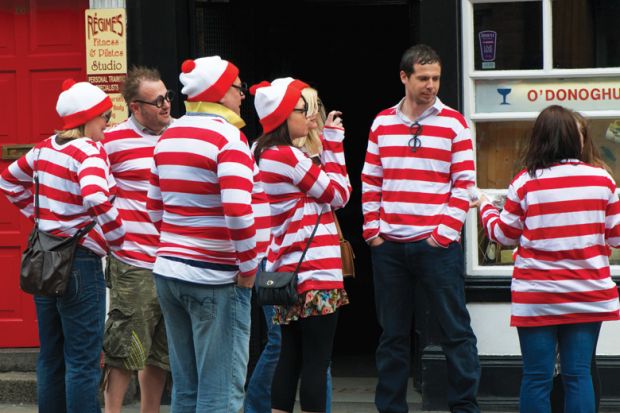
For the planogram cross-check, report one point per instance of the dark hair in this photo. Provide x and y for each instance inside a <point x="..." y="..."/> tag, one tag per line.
<point x="590" y="153"/>
<point x="555" y="137"/>
<point x="420" y="54"/>
<point x="278" y="136"/>
<point x="135" y="76"/>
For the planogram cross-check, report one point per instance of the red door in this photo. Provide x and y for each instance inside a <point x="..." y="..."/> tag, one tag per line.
<point x="41" y="44"/>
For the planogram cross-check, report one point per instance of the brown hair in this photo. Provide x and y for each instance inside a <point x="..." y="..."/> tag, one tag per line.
<point x="278" y="136"/>
<point x="555" y="137"/>
<point x="420" y="54"/>
<point x="135" y="76"/>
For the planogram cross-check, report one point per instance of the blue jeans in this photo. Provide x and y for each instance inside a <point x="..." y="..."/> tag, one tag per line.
<point x="208" y="330"/>
<point x="71" y="337"/>
<point x="576" y="343"/>
<point x="258" y="394"/>
<point x="398" y="268"/>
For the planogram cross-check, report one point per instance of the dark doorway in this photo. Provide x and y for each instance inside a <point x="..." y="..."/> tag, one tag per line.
<point x="349" y="51"/>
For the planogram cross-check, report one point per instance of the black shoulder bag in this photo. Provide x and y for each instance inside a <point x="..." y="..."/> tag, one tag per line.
<point x="280" y="288"/>
<point x="48" y="259"/>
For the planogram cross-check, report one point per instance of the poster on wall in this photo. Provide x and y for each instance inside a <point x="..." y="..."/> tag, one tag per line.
<point x="106" y="55"/>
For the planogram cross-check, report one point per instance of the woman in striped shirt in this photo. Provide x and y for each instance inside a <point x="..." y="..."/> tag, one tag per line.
<point x="74" y="190"/>
<point x="298" y="192"/>
<point x="562" y="213"/>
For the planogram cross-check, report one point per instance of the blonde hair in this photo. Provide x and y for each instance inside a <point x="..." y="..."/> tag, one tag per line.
<point x="74" y="133"/>
<point x="313" y="146"/>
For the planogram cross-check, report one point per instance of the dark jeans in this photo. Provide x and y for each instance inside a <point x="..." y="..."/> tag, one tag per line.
<point x="397" y="269"/>
<point x="71" y="336"/>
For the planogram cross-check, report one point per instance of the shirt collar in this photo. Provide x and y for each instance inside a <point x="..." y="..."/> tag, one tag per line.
<point x="214" y="109"/>
<point x="436" y="107"/>
<point x="144" y="129"/>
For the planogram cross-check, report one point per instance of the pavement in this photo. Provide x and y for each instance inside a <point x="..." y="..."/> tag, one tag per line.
<point x="350" y="395"/>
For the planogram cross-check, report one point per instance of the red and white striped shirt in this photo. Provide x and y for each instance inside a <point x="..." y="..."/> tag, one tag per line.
<point x="200" y="198"/>
<point x="74" y="188"/>
<point x="130" y="151"/>
<point x="298" y="191"/>
<point x="407" y="195"/>
<point x="563" y="220"/>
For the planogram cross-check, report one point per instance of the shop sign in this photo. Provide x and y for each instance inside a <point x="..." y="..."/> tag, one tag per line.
<point x="106" y="55"/>
<point x="493" y="96"/>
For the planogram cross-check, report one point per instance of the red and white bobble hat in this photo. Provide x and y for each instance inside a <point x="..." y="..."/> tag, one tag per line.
<point x="276" y="100"/>
<point x="80" y="102"/>
<point x="207" y="79"/>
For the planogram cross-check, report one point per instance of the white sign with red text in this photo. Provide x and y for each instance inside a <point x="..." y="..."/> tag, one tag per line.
<point x="499" y="96"/>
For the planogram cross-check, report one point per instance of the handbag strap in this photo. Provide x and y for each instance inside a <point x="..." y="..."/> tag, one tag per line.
<point x="35" y="175"/>
<point x="303" y="255"/>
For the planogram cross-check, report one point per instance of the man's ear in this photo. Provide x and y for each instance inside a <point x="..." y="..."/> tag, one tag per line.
<point x="403" y="77"/>
<point x="133" y="107"/>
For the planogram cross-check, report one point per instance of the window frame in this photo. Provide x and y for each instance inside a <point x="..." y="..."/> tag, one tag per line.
<point x="470" y="76"/>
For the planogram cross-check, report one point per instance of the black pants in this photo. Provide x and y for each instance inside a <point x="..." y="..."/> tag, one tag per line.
<point x="305" y="354"/>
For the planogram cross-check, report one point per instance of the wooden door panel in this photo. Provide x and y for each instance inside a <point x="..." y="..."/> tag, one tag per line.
<point x="44" y="89"/>
<point x="41" y="44"/>
<point x="8" y="110"/>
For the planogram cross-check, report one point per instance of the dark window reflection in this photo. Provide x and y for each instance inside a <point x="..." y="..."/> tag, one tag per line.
<point x="517" y="42"/>
<point x="585" y="33"/>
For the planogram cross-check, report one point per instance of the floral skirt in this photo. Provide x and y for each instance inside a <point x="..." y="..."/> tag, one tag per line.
<point x="310" y="303"/>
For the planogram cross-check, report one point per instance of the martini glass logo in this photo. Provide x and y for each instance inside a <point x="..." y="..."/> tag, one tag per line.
<point x="504" y="92"/>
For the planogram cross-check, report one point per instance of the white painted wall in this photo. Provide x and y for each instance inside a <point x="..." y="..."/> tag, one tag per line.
<point x="491" y="324"/>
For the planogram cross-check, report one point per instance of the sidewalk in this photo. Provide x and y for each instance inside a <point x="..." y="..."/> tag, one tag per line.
<point x="350" y="395"/>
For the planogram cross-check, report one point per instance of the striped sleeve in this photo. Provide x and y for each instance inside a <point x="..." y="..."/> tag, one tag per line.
<point x="93" y="177"/>
<point x="262" y="214"/>
<point x="372" y="182"/>
<point x="235" y="170"/>
<point x="154" y="203"/>
<point x="462" y="175"/>
<point x="328" y="187"/>
<point x="505" y="228"/>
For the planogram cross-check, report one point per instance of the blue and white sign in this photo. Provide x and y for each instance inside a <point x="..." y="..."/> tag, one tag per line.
<point x="493" y="96"/>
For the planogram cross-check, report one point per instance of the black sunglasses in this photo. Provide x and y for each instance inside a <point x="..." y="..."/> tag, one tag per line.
<point x="242" y="88"/>
<point x="416" y="130"/>
<point x="106" y="116"/>
<point x="159" y="101"/>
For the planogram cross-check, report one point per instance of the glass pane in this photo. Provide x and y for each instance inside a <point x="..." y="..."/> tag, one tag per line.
<point x="498" y="147"/>
<point x="585" y="33"/>
<point x="508" y="36"/>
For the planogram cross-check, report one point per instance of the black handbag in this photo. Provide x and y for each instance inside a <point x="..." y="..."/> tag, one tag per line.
<point x="280" y="288"/>
<point x="48" y="259"/>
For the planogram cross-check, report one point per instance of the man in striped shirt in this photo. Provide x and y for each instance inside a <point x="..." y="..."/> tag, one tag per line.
<point x="201" y="200"/>
<point x="419" y="164"/>
<point x="135" y="335"/>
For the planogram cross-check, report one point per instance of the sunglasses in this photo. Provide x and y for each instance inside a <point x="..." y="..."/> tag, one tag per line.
<point x="106" y="116"/>
<point x="416" y="131"/>
<point x="242" y="88"/>
<point x="159" y="101"/>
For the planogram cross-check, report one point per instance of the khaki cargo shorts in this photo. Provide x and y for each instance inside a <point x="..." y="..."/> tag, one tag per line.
<point x="135" y="334"/>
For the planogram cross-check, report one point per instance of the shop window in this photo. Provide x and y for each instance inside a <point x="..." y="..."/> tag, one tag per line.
<point x="508" y="36"/>
<point x="585" y="33"/>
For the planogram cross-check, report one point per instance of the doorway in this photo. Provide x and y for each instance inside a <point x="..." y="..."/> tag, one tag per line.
<point x="350" y="52"/>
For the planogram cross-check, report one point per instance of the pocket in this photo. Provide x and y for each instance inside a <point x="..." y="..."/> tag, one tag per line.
<point x="118" y="333"/>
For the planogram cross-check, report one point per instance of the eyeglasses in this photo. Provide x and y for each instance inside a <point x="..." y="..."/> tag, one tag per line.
<point x="416" y="131"/>
<point x="106" y="116"/>
<point x="159" y="101"/>
<point x="242" y="88"/>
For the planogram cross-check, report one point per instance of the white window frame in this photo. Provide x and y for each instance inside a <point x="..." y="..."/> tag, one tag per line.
<point x="470" y="75"/>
